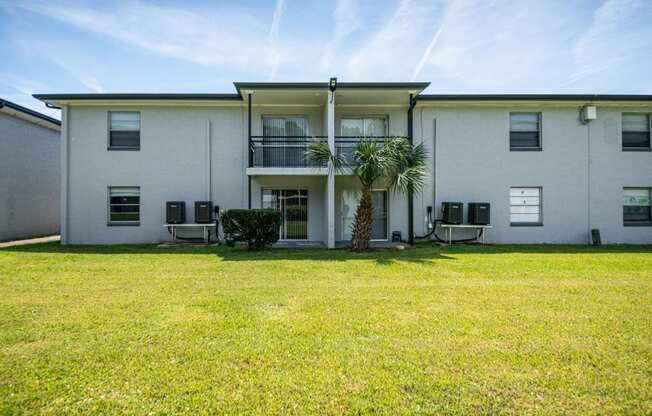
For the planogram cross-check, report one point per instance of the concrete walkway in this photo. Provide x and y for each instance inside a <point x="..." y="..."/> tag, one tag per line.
<point x="48" y="239"/>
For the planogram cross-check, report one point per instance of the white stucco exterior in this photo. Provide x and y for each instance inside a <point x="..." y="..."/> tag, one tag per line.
<point x="581" y="168"/>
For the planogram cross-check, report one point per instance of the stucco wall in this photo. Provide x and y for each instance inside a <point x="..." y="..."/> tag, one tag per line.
<point x="171" y="165"/>
<point x="29" y="179"/>
<point x="473" y="163"/>
<point x="469" y="156"/>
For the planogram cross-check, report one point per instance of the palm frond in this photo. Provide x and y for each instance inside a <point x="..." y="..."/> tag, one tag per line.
<point x="319" y="153"/>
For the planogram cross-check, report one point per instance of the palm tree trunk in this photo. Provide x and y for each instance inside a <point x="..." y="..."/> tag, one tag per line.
<point x="362" y="223"/>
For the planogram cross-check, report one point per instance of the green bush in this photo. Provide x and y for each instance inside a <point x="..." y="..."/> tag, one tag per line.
<point x="258" y="227"/>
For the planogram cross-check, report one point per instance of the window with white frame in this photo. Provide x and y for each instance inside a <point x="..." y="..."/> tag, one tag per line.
<point x="525" y="206"/>
<point x="525" y="131"/>
<point x="124" y="205"/>
<point x="636" y="206"/>
<point x="636" y="131"/>
<point x="124" y="130"/>
<point x="364" y="126"/>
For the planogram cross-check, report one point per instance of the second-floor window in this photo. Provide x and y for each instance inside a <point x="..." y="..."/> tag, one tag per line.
<point x="636" y="131"/>
<point x="285" y="126"/>
<point x="124" y="130"/>
<point x="364" y="126"/>
<point x="525" y="131"/>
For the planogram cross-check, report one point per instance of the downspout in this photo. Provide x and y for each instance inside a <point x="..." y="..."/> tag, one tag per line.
<point x="251" y="159"/>
<point x="64" y="174"/>
<point x="208" y="161"/>
<point x="410" y="195"/>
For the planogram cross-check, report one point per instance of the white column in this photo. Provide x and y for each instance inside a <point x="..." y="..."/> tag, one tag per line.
<point x="330" y="191"/>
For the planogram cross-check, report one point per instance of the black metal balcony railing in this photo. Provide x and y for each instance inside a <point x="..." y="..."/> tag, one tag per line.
<point x="280" y="151"/>
<point x="290" y="151"/>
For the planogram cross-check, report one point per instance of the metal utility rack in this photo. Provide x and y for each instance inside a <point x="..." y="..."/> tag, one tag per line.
<point x="205" y="228"/>
<point x="450" y="227"/>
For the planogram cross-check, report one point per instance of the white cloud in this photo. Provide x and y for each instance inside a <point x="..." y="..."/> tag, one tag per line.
<point x="222" y="38"/>
<point x="503" y="45"/>
<point x="346" y="21"/>
<point x="426" y="54"/>
<point x="620" y="31"/>
<point x="274" y="53"/>
<point x="393" y="50"/>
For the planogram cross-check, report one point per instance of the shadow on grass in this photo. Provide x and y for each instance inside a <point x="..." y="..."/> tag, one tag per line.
<point x="423" y="252"/>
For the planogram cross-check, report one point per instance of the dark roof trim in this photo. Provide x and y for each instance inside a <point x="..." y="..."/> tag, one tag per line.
<point x="324" y="85"/>
<point x="137" y="96"/>
<point x="533" y="97"/>
<point x="14" y="106"/>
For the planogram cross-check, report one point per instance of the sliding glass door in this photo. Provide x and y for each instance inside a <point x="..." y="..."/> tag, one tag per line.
<point x="379" y="203"/>
<point x="293" y="205"/>
<point x="284" y="142"/>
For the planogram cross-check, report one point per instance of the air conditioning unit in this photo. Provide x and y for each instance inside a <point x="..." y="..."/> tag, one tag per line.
<point x="175" y="212"/>
<point x="203" y="212"/>
<point x="452" y="212"/>
<point x="479" y="213"/>
<point x="588" y="113"/>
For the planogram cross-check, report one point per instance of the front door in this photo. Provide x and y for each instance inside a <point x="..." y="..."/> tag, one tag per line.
<point x="293" y="206"/>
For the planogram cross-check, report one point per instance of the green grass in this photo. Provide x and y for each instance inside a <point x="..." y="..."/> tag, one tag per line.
<point x="461" y="330"/>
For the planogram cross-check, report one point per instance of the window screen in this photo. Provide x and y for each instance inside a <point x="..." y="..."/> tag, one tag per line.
<point x="124" y="205"/>
<point x="636" y="205"/>
<point x="524" y="131"/>
<point x="636" y="131"/>
<point x="124" y="130"/>
<point x="525" y="206"/>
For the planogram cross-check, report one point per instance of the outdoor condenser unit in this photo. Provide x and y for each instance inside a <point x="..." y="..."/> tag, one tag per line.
<point x="175" y="212"/>
<point x="452" y="212"/>
<point x="203" y="212"/>
<point x="479" y="213"/>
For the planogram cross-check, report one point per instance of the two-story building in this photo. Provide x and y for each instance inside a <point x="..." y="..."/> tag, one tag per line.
<point x="550" y="172"/>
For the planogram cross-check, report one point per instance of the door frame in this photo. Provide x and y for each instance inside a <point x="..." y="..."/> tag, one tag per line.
<point x="289" y="188"/>
<point x="387" y="227"/>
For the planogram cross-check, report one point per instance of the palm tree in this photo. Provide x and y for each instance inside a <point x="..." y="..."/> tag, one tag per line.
<point x="402" y="165"/>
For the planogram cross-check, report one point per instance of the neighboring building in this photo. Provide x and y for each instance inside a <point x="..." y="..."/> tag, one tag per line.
<point x="550" y="174"/>
<point x="29" y="173"/>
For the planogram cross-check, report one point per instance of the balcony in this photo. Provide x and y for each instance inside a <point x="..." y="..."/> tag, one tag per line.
<point x="271" y="155"/>
<point x="280" y="151"/>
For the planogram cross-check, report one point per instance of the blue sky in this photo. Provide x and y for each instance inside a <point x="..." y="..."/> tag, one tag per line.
<point x="461" y="46"/>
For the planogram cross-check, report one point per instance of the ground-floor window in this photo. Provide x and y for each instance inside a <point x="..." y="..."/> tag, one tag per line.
<point x="124" y="205"/>
<point x="636" y="206"/>
<point x="525" y="206"/>
<point x="293" y="205"/>
<point x="379" y="202"/>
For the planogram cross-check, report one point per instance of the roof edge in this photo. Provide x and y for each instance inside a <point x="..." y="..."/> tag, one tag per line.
<point x="25" y="110"/>
<point x="534" y="97"/>
<point x="138" y="96"/>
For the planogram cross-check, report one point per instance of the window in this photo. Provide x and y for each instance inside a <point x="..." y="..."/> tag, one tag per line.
<point x="525" y="206"/>
<point x="636" y="206"/>
<point x="636" y="131"/>
<point x="285" y="126"/>
<point x="284" y="143"/>
<point x="124" y="130"/>
<point x="525" y="131"/>
<point x="364" y="126"/>
<point x="124" y="205"/>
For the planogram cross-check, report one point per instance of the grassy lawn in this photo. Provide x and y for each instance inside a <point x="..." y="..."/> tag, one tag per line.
<point x="462" y="330"/>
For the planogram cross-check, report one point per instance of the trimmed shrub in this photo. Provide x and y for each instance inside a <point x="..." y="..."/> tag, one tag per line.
<point x="258" y="227"/>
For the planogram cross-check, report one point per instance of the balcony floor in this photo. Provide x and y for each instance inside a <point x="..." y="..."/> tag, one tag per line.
<point x="287" y="171"/>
